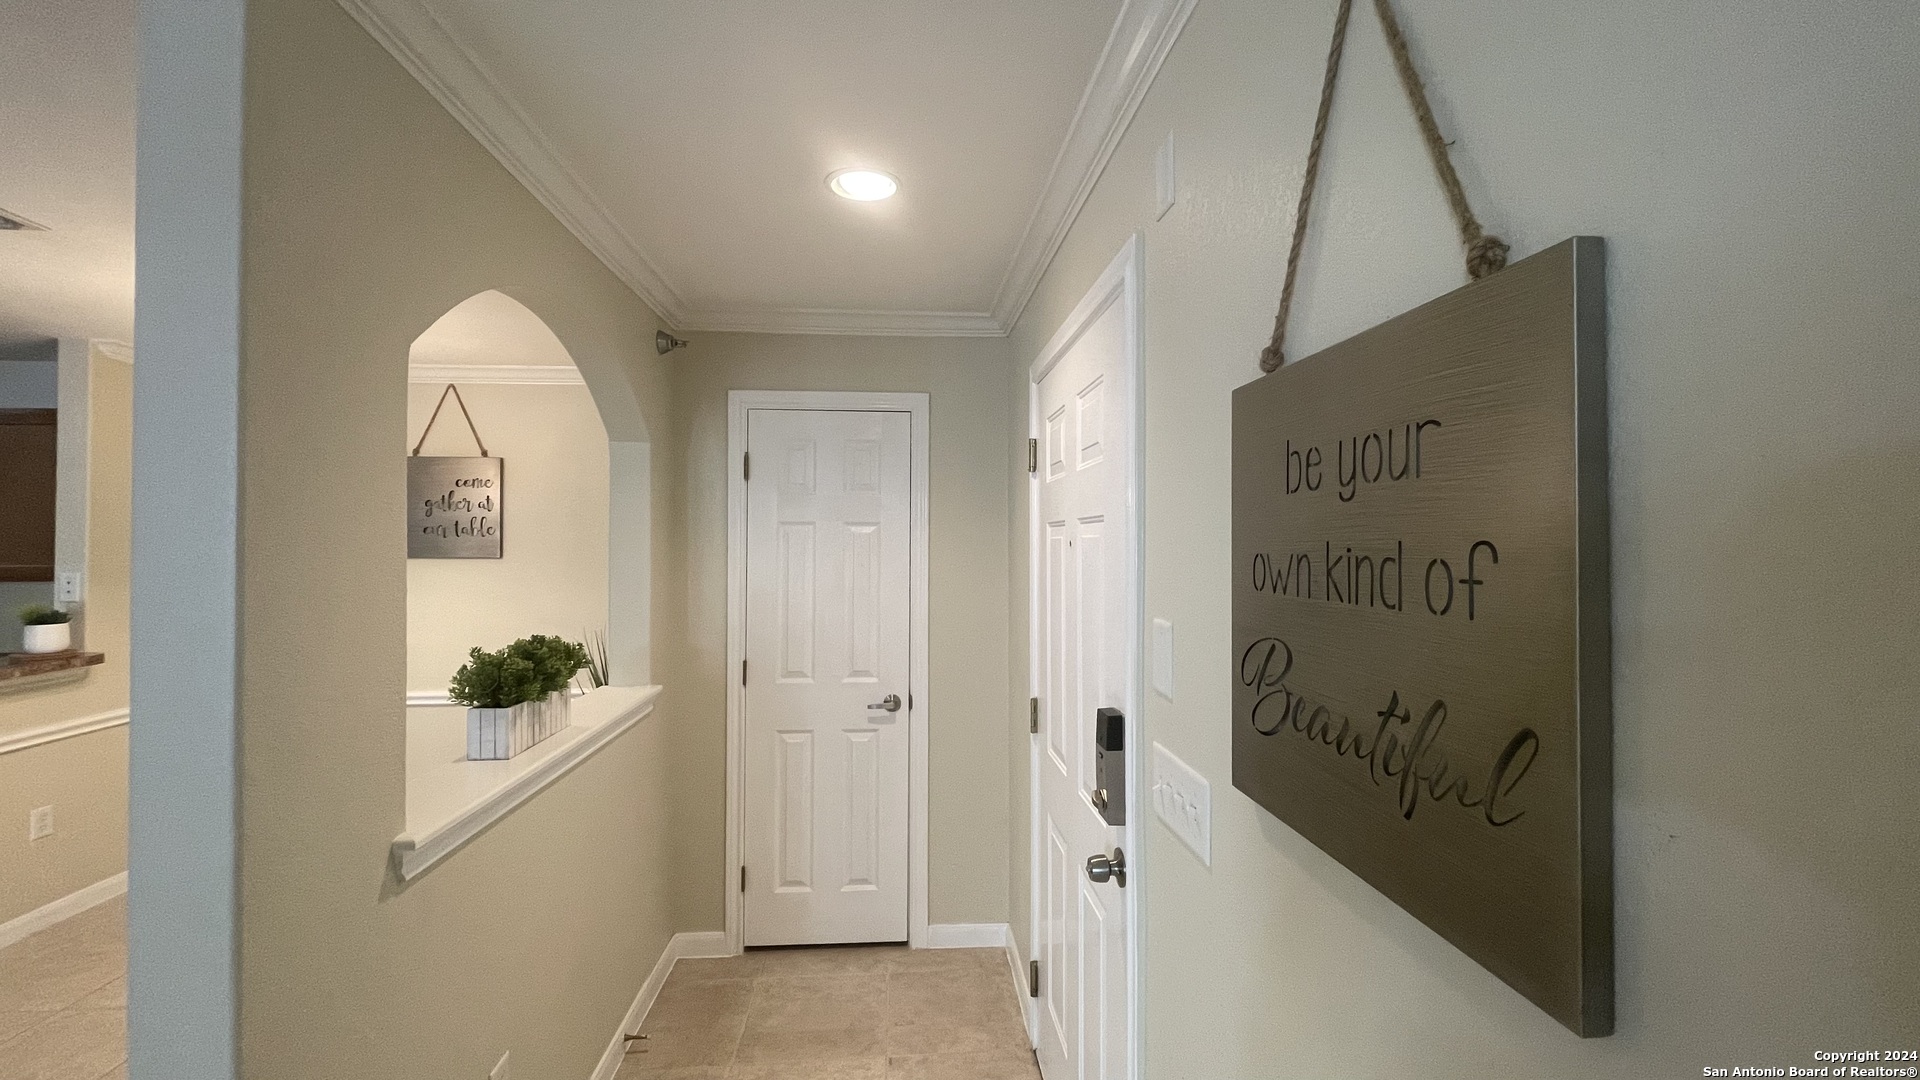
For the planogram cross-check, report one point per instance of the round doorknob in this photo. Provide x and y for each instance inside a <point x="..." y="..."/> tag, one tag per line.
<point x="1101" y="868"/>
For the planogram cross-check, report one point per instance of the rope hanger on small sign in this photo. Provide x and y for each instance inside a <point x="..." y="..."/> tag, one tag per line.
<point x="1486" y="254"/>
<point x="458" y="400"/>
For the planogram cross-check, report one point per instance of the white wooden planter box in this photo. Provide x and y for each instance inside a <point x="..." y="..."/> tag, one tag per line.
<point x="498" y="734"/>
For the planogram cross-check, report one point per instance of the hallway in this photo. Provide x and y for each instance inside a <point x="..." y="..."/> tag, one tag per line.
<point x="859" y="1013"/>
<point x="1357" y="540"/>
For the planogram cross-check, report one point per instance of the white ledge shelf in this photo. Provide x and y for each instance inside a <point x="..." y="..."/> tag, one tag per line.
<point x="450" y="799"/>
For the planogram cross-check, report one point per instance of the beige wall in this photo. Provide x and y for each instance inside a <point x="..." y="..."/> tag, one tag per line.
<point x="1744" y="163"/>
<point x="967" y="622"/>
<point x="551" y="577"/>
<point x="535" y="937"/>
<point x="83" y="778"/>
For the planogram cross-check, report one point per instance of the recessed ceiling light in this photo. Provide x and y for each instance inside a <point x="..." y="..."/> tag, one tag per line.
<point x="863" y="185"/>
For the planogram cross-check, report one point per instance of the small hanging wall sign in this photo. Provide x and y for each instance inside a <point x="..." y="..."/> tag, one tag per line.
<point x="454" y="503"/>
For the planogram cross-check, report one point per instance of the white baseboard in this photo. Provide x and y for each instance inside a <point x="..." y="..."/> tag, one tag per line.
<point x="967" y="935"/>
<point x="62" y="909"/>
<point x="680" y="946"/>
<point x="701" y="946"/>
<point x="1022" y="993"/>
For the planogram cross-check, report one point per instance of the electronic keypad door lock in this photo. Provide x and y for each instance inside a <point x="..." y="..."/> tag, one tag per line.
<point x="1109" y="794"/>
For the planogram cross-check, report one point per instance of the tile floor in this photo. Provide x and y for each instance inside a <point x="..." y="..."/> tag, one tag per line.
<point x="855" y="1013"/>
<point x="63" y="1000"/>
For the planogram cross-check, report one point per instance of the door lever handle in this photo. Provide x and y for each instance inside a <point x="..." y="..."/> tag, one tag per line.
<point x="890" y="704"/>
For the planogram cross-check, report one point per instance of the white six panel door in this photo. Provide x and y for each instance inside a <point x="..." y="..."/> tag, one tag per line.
<point x="826" y="789"/>
<point x="1085" y="652"/>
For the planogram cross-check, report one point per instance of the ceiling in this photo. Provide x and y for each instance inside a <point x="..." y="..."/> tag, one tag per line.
<point x="66" y="162"/>
<point x="686" y="142"/>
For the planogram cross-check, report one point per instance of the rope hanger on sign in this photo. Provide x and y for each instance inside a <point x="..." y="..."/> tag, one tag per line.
<point x="1486" y="254"/>
<point x="458" y="400"/>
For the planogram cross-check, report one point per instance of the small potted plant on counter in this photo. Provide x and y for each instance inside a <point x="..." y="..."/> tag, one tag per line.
<point x="47" y="629"/>
<point x="516" y="697"/>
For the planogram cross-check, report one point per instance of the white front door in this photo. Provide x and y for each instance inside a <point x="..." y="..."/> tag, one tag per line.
<point x="1085" y="629"/>
<point x="829" y="497"/>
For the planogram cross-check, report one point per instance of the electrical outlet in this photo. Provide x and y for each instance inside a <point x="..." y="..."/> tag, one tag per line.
<point x="501" y="1071"/>
<point x="40" y="823"/>
<point x="1183" y="799"/>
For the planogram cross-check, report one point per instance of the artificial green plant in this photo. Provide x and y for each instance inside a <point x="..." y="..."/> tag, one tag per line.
<point x="42" y="615"/>
<point x="526" y="670"/>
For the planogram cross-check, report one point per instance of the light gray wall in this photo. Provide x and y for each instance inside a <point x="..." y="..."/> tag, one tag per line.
<point x="1754" y="173"/>
<point x="15" y="595"/>
<point x="28" y="384"/>
<point x="183" y="968"/>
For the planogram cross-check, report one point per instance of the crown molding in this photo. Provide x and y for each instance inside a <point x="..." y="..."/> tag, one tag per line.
<point x="1142" y="36"/>
<point x="514" y="374"/>
<point x="850" y="323"/>
<point x="463" y="85"/>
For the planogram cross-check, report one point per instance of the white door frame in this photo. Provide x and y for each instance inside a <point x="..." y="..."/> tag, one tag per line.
<point x="917" y="406"/>
<point x="1119" y="283"/>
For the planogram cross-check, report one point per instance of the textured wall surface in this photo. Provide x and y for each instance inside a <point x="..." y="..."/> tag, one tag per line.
<point x="1752" y="170"/>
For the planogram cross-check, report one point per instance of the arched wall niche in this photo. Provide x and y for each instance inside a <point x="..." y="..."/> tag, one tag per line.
<point x="522" y="327"/>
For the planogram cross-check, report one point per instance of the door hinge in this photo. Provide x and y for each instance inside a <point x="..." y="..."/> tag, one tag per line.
<point x="1033" y="715"/>
<point x="1033" y="455"/>
<point x="1033" y="978"/>
<point x="743" y="673"/>
<point x="743" y="877"/>
<point x="746" y="466"/>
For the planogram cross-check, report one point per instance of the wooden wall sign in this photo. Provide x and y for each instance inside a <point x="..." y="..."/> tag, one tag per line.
<point x="453" y="507"/>
<point x="1420" y="611"/>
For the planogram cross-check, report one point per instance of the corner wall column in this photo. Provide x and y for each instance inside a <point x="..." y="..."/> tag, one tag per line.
<point x="183" y="963"/>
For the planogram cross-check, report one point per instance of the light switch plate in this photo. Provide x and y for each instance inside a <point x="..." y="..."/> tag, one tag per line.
<point x="1162" y="661"/>
<point x="1183" y="799"/>
<point x="40" y="823"/>
<point x="1163" y="179"/>
<point x="500" y="1071"/>
<point x="67" y="586"/>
